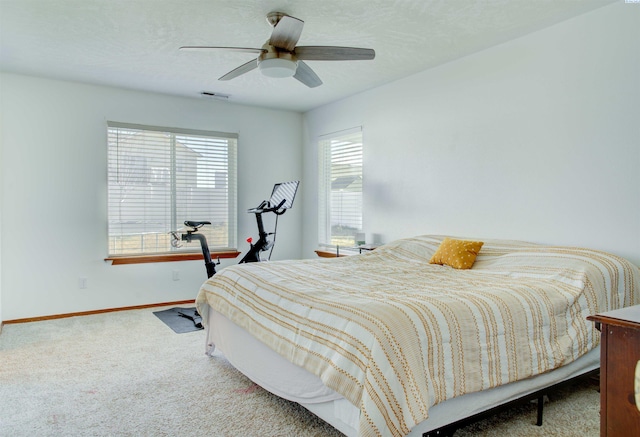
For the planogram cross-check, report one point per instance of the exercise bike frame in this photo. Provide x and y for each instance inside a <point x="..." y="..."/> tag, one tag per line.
<point x="252" y="255"/>
<point x="190" y="235"/>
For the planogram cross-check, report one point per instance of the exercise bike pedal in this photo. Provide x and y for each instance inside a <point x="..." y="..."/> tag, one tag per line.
<point x="267" y="246"/>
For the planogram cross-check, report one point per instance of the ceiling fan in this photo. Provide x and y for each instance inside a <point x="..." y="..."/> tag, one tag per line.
<point x="279" y="56"/>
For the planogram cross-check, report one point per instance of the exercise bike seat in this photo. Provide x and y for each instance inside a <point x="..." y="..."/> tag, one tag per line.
<point x="195" y="225"/>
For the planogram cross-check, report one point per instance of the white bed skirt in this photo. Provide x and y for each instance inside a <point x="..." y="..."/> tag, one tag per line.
<point x="274" y="373"/>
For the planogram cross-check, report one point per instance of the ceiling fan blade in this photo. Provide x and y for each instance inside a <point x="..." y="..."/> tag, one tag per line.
<point x="307" y="76"/>
<point x="286" y="33"/>
<point x="235" y="49"/>
<point x="332" y="53"/>
<point x="244" y="68"/>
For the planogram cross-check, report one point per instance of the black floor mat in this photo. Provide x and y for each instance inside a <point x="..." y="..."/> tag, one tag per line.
<point x="181" y="320"/>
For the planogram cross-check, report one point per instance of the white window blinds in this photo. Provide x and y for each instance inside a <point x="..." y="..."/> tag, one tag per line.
<point x="159" y="177"/>
<point x="340" y="196"/>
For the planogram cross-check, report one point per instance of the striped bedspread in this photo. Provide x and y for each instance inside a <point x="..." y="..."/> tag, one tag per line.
<point x="396" y="335"/>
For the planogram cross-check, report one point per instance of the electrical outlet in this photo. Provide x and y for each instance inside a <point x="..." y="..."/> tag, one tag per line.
<point x="82" y="282"/>
<point x="176" y="275"/>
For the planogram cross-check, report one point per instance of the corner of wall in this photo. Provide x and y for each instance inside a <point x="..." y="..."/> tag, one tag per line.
<point x="1" y="196"/>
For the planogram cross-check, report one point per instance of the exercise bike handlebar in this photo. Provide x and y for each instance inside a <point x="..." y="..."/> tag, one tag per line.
<point x="263" y="207"/>
<point x="275" y="210"/>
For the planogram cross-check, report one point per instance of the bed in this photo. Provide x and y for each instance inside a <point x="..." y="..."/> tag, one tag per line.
<point x="387" y="343"/>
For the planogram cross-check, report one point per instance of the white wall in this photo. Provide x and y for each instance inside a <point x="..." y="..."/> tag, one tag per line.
<point x="53" y="203"/>
<point x="537" y="139"/>
<point x="1" y="205"/>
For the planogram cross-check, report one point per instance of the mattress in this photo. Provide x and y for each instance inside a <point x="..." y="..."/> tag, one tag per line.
<point x="277" y="375"/>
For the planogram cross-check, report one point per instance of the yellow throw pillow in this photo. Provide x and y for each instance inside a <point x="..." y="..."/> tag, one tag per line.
<point x="459" y="254"/>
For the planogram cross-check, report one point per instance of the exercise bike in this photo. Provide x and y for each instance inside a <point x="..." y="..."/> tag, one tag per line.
<point x="281" y="200"/>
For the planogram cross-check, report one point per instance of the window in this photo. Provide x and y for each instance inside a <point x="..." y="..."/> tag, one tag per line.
<point x="160" y="177"/>
<point x="340" y="196"/>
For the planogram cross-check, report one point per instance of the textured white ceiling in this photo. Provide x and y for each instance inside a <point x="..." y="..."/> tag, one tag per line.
<point x="134" y="43"/>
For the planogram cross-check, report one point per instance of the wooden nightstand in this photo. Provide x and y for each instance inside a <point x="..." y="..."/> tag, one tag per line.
<point x="327" y="254"/>
<point x="350" y="250"/>
<point x="619" y="355"/>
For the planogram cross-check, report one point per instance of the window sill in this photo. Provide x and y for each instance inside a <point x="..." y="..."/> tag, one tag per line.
<point x="167" y="257"/>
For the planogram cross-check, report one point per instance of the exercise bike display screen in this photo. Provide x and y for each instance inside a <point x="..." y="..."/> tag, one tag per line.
<point x="286" y="191"/>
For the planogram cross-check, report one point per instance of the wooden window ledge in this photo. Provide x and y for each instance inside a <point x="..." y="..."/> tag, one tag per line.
<point x="167" y="257"/>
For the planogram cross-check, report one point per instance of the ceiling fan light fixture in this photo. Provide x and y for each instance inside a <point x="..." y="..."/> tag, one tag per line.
<point x="278" y="67"/>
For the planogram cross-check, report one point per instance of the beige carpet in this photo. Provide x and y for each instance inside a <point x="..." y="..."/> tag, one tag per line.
<point x="128" y="374"/>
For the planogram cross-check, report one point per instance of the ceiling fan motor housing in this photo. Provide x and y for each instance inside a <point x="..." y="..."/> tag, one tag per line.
<point x="274" y="18"/>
